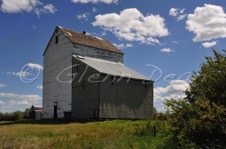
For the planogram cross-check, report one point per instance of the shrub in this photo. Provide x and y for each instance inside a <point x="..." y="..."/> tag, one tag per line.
<point x="199" y="120"/>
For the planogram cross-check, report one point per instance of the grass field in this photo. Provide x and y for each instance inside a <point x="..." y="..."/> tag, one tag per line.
<point x="120" y="134"/>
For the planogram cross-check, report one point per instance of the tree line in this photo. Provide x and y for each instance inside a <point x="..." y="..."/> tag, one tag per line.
<point x="15" y="116"/>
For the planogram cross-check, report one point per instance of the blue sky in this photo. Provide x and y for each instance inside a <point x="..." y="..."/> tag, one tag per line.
<point x="163" y="40"/>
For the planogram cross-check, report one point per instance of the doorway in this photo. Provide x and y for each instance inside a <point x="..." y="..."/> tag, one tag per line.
<point x="55" y="111"/>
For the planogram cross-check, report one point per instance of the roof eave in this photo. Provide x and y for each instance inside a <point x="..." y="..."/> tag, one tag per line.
<point x="98" y="48"/>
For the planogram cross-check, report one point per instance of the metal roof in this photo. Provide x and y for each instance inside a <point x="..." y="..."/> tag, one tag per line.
<point x="111" y="68"/>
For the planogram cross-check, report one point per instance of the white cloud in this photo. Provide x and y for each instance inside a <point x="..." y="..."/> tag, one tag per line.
<point x="166" y="50"/>
<point x="37" y="12"/>
<point x="94" y="9"/>
<point x="175" y="42"/>
<point x="14" y="6"/>
<point x="39" y="87"/>
<point x="209" y="44"/>
<point x="46" y="9"/>
<point x="178" y="13"/>
<point x="19" y="74"/>
<point x="95" y="1"/>
<point x="175" y="90"/>
<point x="123" y="46"/>
<point x="49" y="8"/>
<point x="173" y="12"/>
<point x="33" y="26"/>
<point x="181" y="17"/>
<point x="10" y="102"/>
<point x="182" y="10"/>
<point x="30" y="97"/>
<point x="1" y="103"/>
<point x="35" y="66"/>
<point x="2" y="85"/>
<point x="24" y="71"/>
<point x="83" y="16"/>
<point x="132" y="25"/>
<point x="207" y="23"/>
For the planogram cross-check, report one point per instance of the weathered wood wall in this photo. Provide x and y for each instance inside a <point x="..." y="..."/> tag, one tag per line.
<point x="97" y="53"/>
<point x="57" y="58"/>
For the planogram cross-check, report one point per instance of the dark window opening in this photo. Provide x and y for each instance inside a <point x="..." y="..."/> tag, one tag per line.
<point x="112" y="80"/>
<point x="145" y="85"/>
<point x="56" y="40"/>
<point x="96" y="113"/>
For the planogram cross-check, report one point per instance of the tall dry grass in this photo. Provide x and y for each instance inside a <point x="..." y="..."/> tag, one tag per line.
<point x="108" y="134"/>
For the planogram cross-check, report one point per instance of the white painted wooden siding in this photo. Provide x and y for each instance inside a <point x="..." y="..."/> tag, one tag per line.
<point x="57" y="58"/>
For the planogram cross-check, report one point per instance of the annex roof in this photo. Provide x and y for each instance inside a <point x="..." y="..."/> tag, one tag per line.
<point x="111" y="68"/>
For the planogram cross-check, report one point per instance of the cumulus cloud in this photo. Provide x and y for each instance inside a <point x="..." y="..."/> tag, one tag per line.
<point x="95" y="1"/>
<point x="207" y="23"/>
<point x="2" y="85"/>
<point x="39" y="87"/>
<point x="10" y="102"/>
<point x="123" y="46"/>
<point x="166" y="50"/>
<point x="15" y="6"/>
<point x="178" y="13"/>
<point x="175" y="90"/>
<point x="132" y="25"/>
<point x="209" y="44"/>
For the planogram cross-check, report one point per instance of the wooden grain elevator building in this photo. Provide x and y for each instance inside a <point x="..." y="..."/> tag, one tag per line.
<point x="85" y="78"/>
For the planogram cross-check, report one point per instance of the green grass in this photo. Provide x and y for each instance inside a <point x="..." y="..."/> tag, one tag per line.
<point x="121" y="134"/>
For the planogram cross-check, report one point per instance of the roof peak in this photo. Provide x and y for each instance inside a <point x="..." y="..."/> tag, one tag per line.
<point x="89" y="40"/>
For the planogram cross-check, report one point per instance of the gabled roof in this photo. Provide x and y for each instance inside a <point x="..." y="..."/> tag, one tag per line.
<point x="88" y="40"/>
<point x="111" y="68"/>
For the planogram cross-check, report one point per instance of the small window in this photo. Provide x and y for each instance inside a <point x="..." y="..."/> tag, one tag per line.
<point x="56" y="40"/>
<point x="112" y="80"/>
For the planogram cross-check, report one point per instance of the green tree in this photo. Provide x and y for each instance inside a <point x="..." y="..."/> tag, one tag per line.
<point x="26" y="113"/>
<point x="200" y="120"/>
<point x="17" y="115"/>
